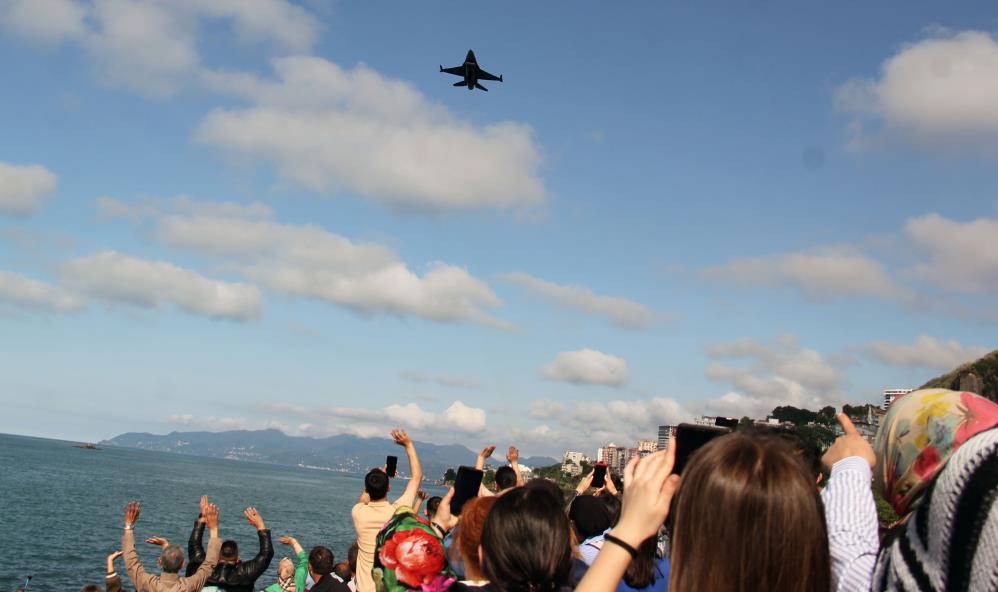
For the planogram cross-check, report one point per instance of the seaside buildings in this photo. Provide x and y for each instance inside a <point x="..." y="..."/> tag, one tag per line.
<point x="665" y="433"/>
<point x="891" y="394"/>
<point x="647" y="446"/>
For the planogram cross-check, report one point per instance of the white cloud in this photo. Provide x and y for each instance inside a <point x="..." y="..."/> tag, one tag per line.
<point x="770" y="375"/>
<point x="150" y="46"/>
<point x="596" y="422"/>
<point x="621" y="311"/>
<point x="109" y="208"/>
<point x="332" y="130"/>
<point x="32" y="294"/>
<point x="944" y="87"/>
<point x="23" y="187"/>
<point x="310" y="262"/>
<point x="926" y="352"/>
<point x="823" y="275"/>
<point x="122" y="279"/>
<point x="367" y="422"/>
<point x="962" y="257"/>
<point x="587" y="366"/>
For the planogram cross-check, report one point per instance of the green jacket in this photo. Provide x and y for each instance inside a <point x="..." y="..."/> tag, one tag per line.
<point x="301" y="572"/>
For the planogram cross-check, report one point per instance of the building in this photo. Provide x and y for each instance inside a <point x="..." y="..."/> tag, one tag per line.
<point x="665" y="433"/>
<point x="576" y="457"/>
<point x="570" y="467"/>
<point x="891" y="394"/>
<point x="647" y="446"/>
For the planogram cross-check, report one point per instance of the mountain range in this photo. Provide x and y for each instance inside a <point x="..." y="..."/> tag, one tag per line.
<point x="344" y="453"/>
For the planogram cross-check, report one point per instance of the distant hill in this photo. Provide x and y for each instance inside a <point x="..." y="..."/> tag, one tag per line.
<point x="344" y="453"/>
<point x="979" y="376"/>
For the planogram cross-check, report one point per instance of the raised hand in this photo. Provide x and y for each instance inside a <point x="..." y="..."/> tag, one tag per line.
<point x="585" y="483"/>
<point x="487" y="451"/>
<point x="110" y="561"/>
<point x="132" y="511"/>
<point x="211" y="518"/>
<point x="158" y="541"/>
<point x="286" y="540"/>
<point x="401" y="438"/>
<point x="648" y="490"/>
<point x="443" y="516"/>
<point x="254" y="518"/>
<point x="849" y="444"/>
<point x="513" y="455"/>
<point x="202" y="507"/>
<point x="422" y="495"/>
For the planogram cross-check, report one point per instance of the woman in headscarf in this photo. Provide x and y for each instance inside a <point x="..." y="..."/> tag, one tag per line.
<point x="918" y="443"/>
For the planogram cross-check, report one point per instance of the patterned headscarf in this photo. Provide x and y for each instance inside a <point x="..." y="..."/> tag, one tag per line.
<point x="920" y="432"/>
<point x="409" y="555"/>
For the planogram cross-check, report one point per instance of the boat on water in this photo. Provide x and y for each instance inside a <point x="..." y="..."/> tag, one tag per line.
<point x="87" y="446"/>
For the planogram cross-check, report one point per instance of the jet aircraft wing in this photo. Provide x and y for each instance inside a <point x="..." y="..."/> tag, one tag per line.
<point x="483" y="75"/>
<point x="456" y="70"/>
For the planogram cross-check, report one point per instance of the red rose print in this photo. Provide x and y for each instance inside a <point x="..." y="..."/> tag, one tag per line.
<point x="416" y="556"/>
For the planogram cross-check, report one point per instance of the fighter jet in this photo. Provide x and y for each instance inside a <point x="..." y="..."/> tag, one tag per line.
<point x="471" y="72"/>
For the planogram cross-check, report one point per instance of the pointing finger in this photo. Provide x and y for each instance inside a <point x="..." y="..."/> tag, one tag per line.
<point x="847" y="427"/>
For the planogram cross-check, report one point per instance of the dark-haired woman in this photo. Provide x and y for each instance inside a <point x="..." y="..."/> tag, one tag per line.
<point x="527" y="542"/>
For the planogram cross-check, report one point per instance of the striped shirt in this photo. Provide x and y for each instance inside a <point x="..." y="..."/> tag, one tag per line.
<point x="851" y="515"/>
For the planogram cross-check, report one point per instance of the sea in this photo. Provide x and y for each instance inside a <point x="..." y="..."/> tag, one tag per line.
<point x="61" y="507"/>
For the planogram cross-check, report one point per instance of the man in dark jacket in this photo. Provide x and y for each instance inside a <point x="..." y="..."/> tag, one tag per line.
<point x="320" y="568"/>
<point x="231" y="573"/>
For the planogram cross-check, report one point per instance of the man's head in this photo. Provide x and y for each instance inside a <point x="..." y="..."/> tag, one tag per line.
<point x="229" y="553"/>
<point x="320" y="562"/>
<point x="171" y="559"/>
<point x="285" y="569"/>
<point x="431" y="506"/>
<point x="352" y="556"/>
<point x="376" y="484"/>
<point x="89" y="588"/>
<point x="505" y="478"/>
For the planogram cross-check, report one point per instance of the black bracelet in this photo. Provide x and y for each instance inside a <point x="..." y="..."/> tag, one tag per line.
<point x="612" y="539"/>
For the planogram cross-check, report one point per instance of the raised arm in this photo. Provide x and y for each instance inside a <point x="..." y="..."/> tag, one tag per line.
<point x="483" y="456"/>
<point x="112" y="580"/>
<point x="421" y="497"/>
<point x="513" y="456"/>
<point x="196" y="581"/>
<point x="415" y="469"/>
<point x="195" y="551"/>
<point x="850" y="511"/>
<point x="133" y="566"/>
<point x="259" y="564"/>
<point x="301" y="561"/>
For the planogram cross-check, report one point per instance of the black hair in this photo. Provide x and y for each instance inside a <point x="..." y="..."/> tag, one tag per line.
<point x="376" y="484"/>
<point x="527" y="542"/>
<point x="320" y="559"/>
<point x="613" y="504"/>
<point x="352" y="556"/>
<point x="230" y="551"/>
<point x="87" y="588"/>
<point x="505" y="477"/>
<point x="431" y="506"/>
<point x="640" y="571"/>
<point x="549" y="486"/>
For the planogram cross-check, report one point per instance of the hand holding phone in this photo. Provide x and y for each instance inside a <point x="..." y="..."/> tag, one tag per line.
<point x="599" y="475"/>
<point x="391" y="465"/>
<point x="689" y="438"/>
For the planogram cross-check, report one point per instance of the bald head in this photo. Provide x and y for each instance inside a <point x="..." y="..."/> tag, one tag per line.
<point x="171" y="559"/>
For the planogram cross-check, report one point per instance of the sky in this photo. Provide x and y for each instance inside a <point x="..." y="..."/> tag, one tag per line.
<point x="247" y="214"/>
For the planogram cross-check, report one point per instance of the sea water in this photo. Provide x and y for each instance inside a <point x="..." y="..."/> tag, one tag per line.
<point x="61" y="508"/>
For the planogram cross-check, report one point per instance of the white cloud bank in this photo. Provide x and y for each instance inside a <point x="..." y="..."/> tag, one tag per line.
<point x="944" y="87"/>
<point x="620" y="311"/>
<point x="587" y="366"/>
<point x="24" y="187"/>
<point x="30" y="294"/>
<point x="962" y="256"/>
<point x="121" y="279"/>
<point x="369" y="422"/>
<point x="330" y="130"/>
<point x="926" y="352"/>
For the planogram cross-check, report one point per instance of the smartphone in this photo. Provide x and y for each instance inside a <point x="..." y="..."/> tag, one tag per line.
<point x="726" y="422"/>
<point x="689" y="438"/>
<point x="599" y="475"/>
<point x="391" y="465"/>
<point x="466" y="486"/>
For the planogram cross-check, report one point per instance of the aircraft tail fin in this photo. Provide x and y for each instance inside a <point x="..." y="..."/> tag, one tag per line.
<point x="460" y="83"/>
<point x="480" y="87"/>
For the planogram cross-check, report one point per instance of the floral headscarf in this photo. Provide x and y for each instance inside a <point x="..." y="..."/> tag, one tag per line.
<point x="410" y="556"/>
<point x="918" y="435"/>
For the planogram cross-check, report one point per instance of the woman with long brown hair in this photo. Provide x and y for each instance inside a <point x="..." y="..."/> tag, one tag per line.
<point x="747" y="517"/>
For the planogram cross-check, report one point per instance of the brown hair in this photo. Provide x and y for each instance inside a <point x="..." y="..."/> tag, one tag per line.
<point x="469" y="536"/>
<point x="748" y="517"/>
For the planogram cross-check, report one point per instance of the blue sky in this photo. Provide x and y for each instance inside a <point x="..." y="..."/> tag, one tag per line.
<point x="268" y="213"/>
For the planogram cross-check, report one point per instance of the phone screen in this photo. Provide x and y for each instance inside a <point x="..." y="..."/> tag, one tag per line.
<point x="689" y="438"/>
<point x="599" y="475"/>
<point x="391" y="465"/>
<point x="469" y="479"/>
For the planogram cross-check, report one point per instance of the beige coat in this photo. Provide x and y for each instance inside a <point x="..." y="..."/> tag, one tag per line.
<point x="166" y="582"/>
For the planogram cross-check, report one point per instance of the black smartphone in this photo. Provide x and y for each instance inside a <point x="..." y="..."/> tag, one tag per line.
<point x="689" y="438"/>
<point x="391" y="465"/>
<point x="469" y="480"/>
<point x="726" y="422"/>
<point x="599" y="475"/>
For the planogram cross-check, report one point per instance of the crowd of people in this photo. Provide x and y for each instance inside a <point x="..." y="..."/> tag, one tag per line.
<point x="747" y="513"/>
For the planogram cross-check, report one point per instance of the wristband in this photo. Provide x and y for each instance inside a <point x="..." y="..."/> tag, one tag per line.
<point x="113" y="574"/>
<point x="612" y="539"/>
<point x="128" y="526"/>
